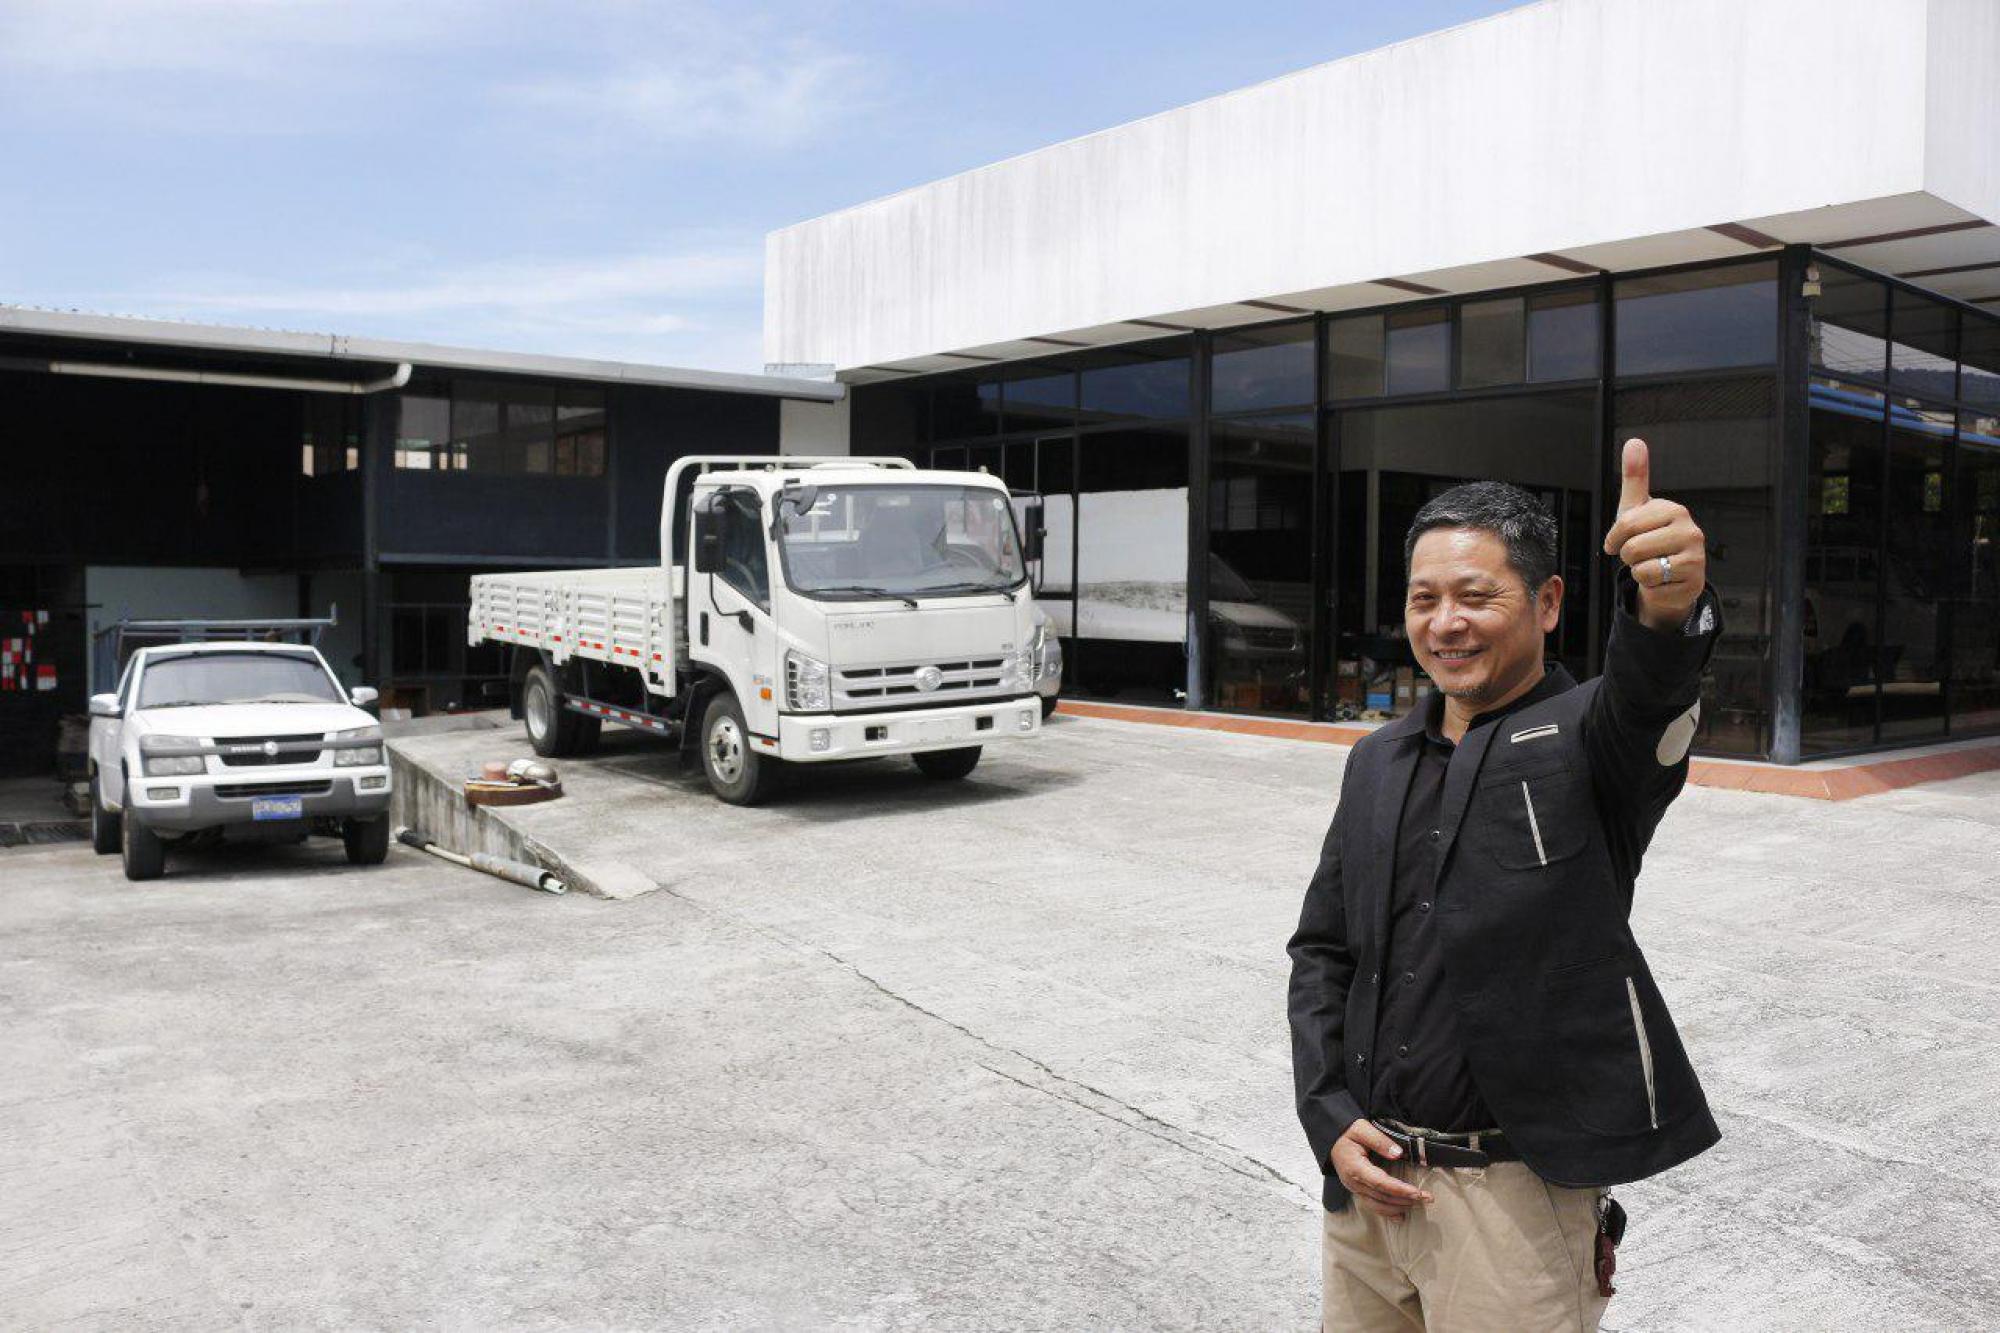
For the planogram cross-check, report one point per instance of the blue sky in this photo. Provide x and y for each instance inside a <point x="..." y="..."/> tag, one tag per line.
<point x="591" y="177"/>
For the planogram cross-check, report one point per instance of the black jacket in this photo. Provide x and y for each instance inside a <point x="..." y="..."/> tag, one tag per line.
<point x="1546" y="816"/>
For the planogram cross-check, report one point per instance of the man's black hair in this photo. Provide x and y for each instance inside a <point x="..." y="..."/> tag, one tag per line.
<point x="1517" y="518"/>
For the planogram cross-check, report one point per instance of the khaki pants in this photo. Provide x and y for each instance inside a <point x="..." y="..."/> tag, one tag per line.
<point x="1499" y="1251"/>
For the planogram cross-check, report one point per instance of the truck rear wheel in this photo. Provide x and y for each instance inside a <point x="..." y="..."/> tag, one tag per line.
<point x="554" y="731"/>
<point x="145" y="853"/>
<point x="735" y="771"/>
<point x="948" y="765"/>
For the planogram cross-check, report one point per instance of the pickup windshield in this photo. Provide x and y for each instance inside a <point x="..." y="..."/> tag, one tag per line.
<point x="236" y="678"/>
<point x="900" y="541"/>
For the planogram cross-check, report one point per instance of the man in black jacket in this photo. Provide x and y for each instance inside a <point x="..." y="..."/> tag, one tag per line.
<point x="1478" y="1047"/>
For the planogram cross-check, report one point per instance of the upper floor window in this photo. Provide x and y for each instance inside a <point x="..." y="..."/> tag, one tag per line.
<point x="502" y="427"/>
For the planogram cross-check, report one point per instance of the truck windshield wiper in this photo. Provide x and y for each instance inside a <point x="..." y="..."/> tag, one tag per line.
<point x="902" y="597"/>
<point x="966" y="587"/>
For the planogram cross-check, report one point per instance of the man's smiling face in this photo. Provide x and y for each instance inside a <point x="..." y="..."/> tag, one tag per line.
<point x="1472" y="623"/>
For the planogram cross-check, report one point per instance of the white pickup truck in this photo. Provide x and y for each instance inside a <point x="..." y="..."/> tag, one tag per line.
<point x="256" y="741"/>
<point x="805" y="610"/>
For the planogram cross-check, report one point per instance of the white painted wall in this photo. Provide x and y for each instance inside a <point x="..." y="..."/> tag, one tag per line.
<point x="1553" y="127"/>
<point x="813" y="428"/>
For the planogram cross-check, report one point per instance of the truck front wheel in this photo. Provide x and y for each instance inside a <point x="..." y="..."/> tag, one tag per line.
<point x="554" y="731"/>
<point x="948" y="765"/>
<point x="736" y="772"/>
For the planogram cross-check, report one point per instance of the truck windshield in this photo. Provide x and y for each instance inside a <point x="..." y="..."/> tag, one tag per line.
<point x="901" y="541"/>
<point x="236" y="678"/>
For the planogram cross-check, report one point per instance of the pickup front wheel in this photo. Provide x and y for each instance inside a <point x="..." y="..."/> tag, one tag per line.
<point x="145" y="853"/>
<point x="736" y="772"/>
<point x="104" y="830"/>
<point x="367" y="840"/>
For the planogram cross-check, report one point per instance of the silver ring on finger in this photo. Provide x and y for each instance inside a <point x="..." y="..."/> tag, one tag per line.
<point x="1666" y="570"/>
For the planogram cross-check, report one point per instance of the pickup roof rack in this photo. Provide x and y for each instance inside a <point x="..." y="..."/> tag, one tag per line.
<point x="112" y="646"/>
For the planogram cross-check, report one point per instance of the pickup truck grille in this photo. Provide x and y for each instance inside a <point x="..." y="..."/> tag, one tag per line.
<point x="248" y="752"/>
<point x="241" y="790"/>
<point x="898" y="684"/>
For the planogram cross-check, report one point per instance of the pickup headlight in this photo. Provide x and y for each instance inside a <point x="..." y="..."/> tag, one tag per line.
<point x="167" y="756"/>
<point x="807" y="687"/>
<point x="361" y="755"/>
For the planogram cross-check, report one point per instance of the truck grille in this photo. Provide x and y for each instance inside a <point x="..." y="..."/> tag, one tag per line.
<point x="898" y="684"/>
<point x="247" y="751"/>
<point x="242" y="790"/>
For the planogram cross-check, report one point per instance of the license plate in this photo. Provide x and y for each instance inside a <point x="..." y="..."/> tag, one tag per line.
<point x="942" y="728"/>
<point x="278" y="807"/>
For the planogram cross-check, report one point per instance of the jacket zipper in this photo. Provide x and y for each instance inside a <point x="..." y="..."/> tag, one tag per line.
<point x="1645" y="1052"/>
<point x="1533" y="827"/>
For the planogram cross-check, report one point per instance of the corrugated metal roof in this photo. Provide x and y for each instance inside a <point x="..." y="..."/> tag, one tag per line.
<point x="184" y="334"/>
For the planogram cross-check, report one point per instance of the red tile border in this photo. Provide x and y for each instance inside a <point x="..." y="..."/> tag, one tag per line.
<point x="1821" y="784"/>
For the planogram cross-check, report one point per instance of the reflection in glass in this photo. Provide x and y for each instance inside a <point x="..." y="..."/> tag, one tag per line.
<point x="888" y="418"/>
<point x="1842" y="569"/>
<point x="1131" y="563"/>
<point x="423" y="429"/>
<point x="1562" y="336"/>
<point x="1149" y="381"/>
<point x="1917" y="529"/>
<point x="1972" y="575"/>
<point x="1354" y="357"/>
<point x="1849" y="334"/>
<point x="1979" y="360"/>
<point x="1492" y="343"/>
<point x="1698" y="319"/>
<point x="1037" y="399"/>
<point x="1419" y="350"/>
<point x="1712" y="444"/>
<point x="1922" y="357"/>
<point x="1260" y="562"/>
<point x="1262" y="368"/>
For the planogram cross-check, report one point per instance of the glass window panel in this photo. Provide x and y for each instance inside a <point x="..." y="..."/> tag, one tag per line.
<point x="1972" y="571"/>
<point x="1850" y="324"/>
<point x="1018" y="466"/>
<point x="1698" y="320"/>
<point x="1842" y="575"/>
<point x="1913" y="570"/>
<point x="1260" y="563"/>
<point x="1418" y="350"/>
<point x="1713" y="448"/>
<point x="962" y="409"/>
<point x="892" y="417"/>
<point x="1401" y="457"/>
<point x="1040" y="400"/>
<point x="580" y="431"/>
<point x="985" y="458"/>
<point x="423" y="429"/>
<point x="1255" y="369"/>
<point x="1562" y="336"/>
<point x="475" y="424"/>
<point x="1131" y="564"/>
<point x="1979" y="367"/>
<point x="1922" y="359"/>
<point x="1055" y="478"/>
<point x="1149" y="382"/>
<point x="1354" y="357"/>
<point x="1492" y="342"/>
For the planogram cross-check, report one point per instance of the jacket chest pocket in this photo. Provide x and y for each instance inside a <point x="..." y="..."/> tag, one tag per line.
<point x="1532" y="820"/>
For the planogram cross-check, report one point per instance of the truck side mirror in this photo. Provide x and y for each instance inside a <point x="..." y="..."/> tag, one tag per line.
<point x="104" y="705"/>
<point x="1032" y="531"/>
<point x="707" y="545"/>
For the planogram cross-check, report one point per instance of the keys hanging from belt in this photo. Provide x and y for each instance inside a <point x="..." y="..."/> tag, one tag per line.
<point x="1610" y="1230"/>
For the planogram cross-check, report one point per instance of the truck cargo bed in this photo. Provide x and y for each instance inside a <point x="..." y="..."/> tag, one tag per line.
<point x="622" y="617"/>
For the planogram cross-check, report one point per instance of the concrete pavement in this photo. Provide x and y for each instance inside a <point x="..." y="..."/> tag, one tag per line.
<point x="1006" y="1054"/>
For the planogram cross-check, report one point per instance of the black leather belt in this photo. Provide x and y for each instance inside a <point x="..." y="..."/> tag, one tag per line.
<point x="1430" y="1149"/>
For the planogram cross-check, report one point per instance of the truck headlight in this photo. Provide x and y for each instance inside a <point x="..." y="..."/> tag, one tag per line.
<point x="360" y="756"/>
<point x="806" y="684"/>
<point x="1024" y="668"/>
<point x="167" y="756"/>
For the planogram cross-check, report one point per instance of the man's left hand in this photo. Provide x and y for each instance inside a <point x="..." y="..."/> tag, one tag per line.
<point x="1647" y="528"/>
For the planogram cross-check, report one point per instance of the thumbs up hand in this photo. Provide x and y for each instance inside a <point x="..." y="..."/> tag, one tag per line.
<point x="1659" y="540"/>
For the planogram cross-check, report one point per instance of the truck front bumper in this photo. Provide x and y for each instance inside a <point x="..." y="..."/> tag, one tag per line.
<point x="203" y="802"/>
<point x="810" y="738"/>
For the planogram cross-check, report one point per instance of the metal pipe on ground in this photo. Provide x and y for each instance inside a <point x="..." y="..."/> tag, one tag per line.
<point x="514" y="872"/>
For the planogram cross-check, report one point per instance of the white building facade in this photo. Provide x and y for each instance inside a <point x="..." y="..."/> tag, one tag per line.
<point x="1236" y="345"/>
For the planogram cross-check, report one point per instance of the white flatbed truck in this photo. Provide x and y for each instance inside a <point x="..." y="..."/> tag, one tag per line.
<point x="805" y="610"/>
